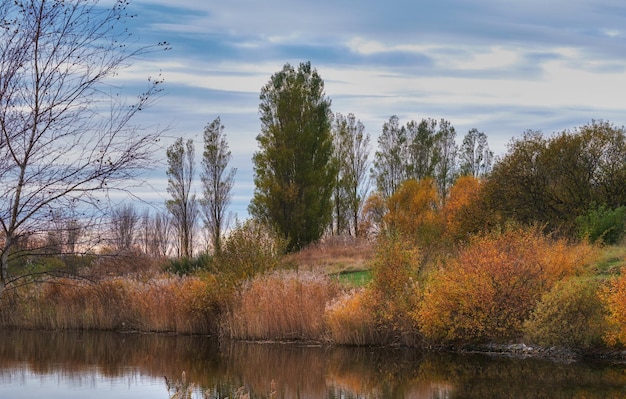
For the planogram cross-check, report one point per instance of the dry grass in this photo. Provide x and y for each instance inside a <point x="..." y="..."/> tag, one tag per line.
<point x="334" y="255"/>
<point x="281" y="306"/>
<point x="161" y="304"/>
<point x="350" y="319"/>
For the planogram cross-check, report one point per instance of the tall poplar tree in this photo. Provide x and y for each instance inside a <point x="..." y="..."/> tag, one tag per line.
<point x="294" y="168"/>
<point x="217" y="182"/>
<point x="390" y="166"/>
<point x="183" y="206"/>
<point x="352" y="152"/>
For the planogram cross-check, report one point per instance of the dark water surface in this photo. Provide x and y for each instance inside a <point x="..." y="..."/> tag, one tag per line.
<point x="112" y="365"/>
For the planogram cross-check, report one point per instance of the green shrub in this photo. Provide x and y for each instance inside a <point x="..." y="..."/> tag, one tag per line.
<point x="569" y="315"/>
<point x="185" y="266"/>
<point x="250" y="249"/>
<point x="603" y="224"/>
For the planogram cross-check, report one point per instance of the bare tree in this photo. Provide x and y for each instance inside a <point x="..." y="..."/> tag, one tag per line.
<point x="390" y="160"/>
<point x="65" y="132"/>
<point x="217" y="182"/>
<point x="183" y="207"/>
<point x="475" y="155"/>
<point x="124" y="221"/>
<point x="351" y="151"/>
<point x="159" y="235"/>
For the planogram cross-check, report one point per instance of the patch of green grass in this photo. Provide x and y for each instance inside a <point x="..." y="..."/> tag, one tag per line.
<point x="354" y="278"/>
<point x="611" y="260"/>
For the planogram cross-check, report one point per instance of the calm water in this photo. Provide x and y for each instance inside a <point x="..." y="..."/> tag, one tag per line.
<point x="110" y="365"/>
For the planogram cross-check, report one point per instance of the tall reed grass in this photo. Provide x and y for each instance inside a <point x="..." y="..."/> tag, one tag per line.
<point x="281" y="306"/>
<point x="164" y="303"/>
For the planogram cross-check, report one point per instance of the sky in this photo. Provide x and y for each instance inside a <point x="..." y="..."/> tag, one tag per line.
<point x="501" y="67"/>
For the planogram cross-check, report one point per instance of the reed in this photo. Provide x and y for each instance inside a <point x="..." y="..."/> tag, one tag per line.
<point x="281" y="306"/>
<point x="163" y="303"/>
<point x="350" y="319"/>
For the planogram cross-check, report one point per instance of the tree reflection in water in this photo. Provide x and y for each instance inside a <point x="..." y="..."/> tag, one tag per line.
<point x="302" y="371"/>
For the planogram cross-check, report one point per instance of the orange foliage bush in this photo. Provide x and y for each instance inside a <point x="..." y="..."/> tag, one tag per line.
<point x="457" y="210"/>
<point x="413" y="211"/>
<point x="490" y="289"/>
<point x="394" y="290"/>
<point x="613" y="296"/>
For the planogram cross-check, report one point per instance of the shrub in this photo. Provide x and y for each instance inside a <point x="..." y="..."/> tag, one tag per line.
<point x="185" y="266"/>
<point x="613" y="297"/>
<point x="602" y="224"/>
<point x="250" y="249"/>
<point x="394" y="289"/>
<point x="490" y="289"/>
<point x="569" y="315"/>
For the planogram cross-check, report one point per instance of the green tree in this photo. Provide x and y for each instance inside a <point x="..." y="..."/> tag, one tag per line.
<point x="446" y="153"/>
<point x="351" y="153"/>
<point x="294" y="169"/>
<point x="183" y="207"/>
<point x="553" y="180"/>
<point x="217" y="182"/>
<point x="66" y="133"/>
<point x="422" y="149"/>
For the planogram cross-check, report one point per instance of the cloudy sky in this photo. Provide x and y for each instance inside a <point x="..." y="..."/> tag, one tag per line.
<point x="499" y="66"/>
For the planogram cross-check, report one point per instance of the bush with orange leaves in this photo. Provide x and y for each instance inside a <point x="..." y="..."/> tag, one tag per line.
<point x="613" y="296"/>
<point x="414" y="212"/>
<point x="487" y="292"/>
<point x="394" y="291"/>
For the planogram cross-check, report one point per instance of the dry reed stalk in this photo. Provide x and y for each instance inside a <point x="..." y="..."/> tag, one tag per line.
<point x="350" y="319"/>
<point x="281" y="306"/>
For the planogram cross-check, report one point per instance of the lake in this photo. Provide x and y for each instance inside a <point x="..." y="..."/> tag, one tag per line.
<point x="115" y="365"/>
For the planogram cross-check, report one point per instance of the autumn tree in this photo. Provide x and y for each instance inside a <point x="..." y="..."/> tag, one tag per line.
<point x="351" y="153"/>
<point x="414" y="212"/>
<point x="66" y="132"/>
<point x="217" y="182"/>
<point x="294" y="169"/>
<point x="183" y="207"/>
<point x="461" y="213"/>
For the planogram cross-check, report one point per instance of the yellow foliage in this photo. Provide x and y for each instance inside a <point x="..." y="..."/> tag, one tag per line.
<point x="491" y="288"/>
<point x="613" y="296"/>
<point x="457" y="211"/>
<point x="413" y="211"/>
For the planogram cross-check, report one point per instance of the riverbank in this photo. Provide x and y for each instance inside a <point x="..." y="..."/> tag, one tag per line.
<point x="514" y="287"/>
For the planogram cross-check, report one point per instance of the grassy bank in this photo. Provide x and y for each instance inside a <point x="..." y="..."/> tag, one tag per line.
<point x="514" y="286"/>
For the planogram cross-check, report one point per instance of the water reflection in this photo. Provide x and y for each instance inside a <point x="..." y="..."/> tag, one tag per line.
<point x="135" y="363"/>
